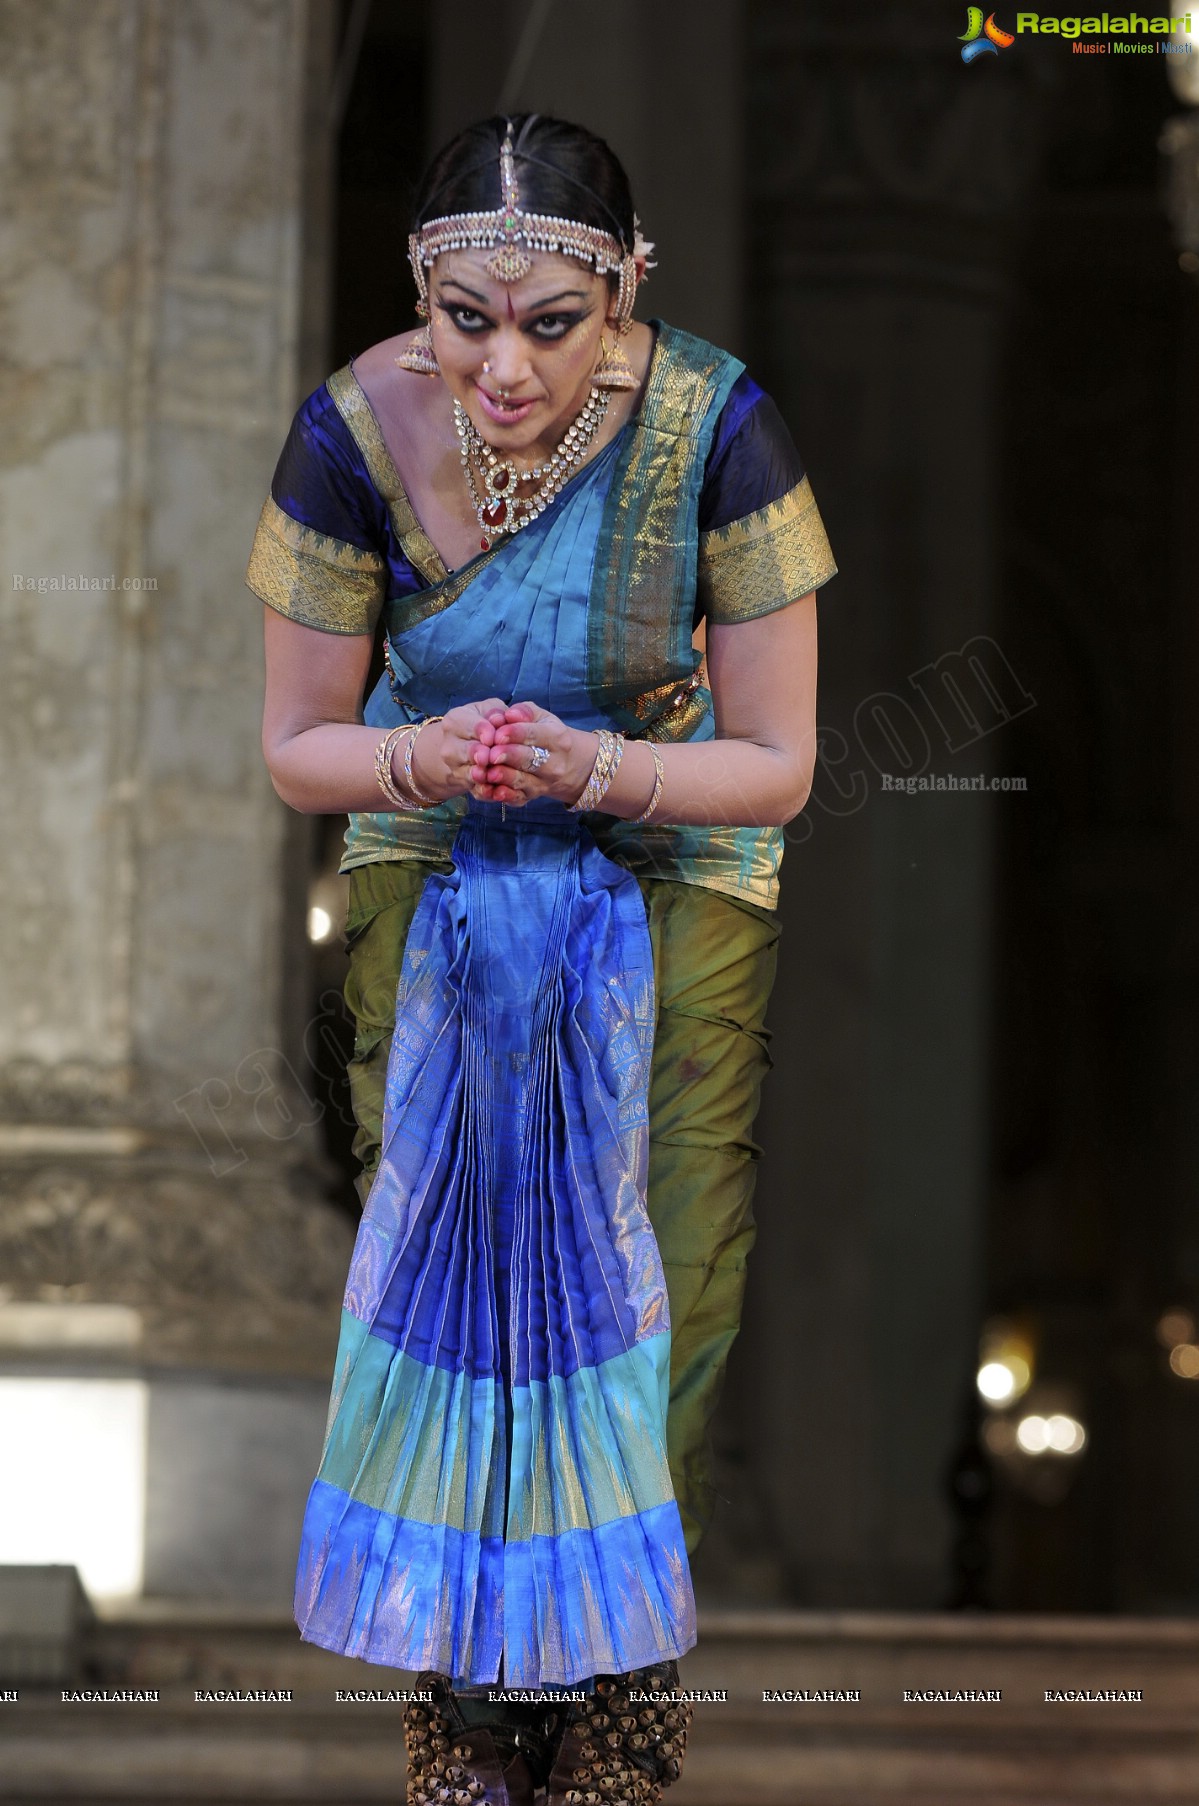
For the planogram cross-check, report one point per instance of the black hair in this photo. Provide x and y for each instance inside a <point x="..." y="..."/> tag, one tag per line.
<point x="563" y="170"/>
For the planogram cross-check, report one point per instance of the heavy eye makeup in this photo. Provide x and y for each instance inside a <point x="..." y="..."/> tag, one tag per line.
<point x="547" y="327"/>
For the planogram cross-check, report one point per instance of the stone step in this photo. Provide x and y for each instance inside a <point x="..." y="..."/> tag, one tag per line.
<point x="874" y="1750"/>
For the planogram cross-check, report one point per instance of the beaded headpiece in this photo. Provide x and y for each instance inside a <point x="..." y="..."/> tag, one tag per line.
<point x="511" y="234"/>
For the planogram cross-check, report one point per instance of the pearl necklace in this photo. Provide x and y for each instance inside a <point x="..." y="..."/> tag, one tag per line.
<point x="500" y="509"/>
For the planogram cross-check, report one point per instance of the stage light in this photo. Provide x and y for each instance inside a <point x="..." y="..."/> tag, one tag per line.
<point x="75" y="1478"/>
<point x="1066" y="1434"/>
<point x="1184" y="1359"/>
<point x="1174" y="1326"/>
<point x="1032" y="1433"/>
<point x="1005" y="1363"/>
<point x="320" y="925"/>
<point x="1055" y="1435"/>
<point x="996" y="1382"/>
<point x="328" y="897"/>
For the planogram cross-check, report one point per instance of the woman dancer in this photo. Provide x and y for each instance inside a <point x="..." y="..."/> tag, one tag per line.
<point x="564" y="841"/>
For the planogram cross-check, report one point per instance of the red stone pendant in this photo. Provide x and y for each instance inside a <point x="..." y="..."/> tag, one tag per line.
<point x="495" y="514"/>
<point x="499" y="479"/>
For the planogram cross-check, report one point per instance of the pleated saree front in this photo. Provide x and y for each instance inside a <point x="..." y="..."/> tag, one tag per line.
<point x="493" y="1499"/>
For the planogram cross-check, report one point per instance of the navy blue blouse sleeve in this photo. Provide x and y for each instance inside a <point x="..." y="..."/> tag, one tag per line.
<point x="319" y="551"/>
<point x="762" y="542"/>
<point x="753" y="460"/>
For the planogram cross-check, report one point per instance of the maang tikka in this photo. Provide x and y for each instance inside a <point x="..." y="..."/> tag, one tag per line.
<point x="511" y="234"/>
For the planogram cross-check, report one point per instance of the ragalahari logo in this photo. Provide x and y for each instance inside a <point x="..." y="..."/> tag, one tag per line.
<point x="982" y="38"/>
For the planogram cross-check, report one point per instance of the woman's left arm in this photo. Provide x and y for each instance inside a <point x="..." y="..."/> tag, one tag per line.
<point x="758" y="770"/>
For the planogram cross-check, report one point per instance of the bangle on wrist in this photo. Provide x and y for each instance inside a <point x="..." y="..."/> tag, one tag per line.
<point x="384" y="756"/>
<point x="607" y="758"/>
<point x="423" y="801"/>
<point x="658" y="780"/>
<point x="384" y="753"/>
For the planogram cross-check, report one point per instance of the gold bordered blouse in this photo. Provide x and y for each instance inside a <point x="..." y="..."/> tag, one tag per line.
<point x="709" y="516"/>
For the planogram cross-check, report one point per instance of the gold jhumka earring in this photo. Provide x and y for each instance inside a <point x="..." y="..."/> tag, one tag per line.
<point x="614" y="370"/>
<point x="420" y="355"/>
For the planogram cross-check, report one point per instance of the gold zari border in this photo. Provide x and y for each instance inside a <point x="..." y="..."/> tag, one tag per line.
<point x="760" y="563"/>
<point x="642" y="610"/>
<point x="406" y="612"/>
<point x="313" y="578"/>
<point x="350" y="401"/>
<point x="738" y="862"/>
<point x="672" y="711"/>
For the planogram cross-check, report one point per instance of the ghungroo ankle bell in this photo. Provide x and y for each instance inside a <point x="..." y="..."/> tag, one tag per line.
<point x="625" y="1744"/>
<point x="451" y="1763"/>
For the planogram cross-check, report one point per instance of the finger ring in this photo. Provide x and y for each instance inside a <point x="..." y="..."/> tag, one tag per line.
<point x="540" y="755"/>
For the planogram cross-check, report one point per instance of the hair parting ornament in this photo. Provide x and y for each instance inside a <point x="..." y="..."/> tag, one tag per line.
<point x="511" y="234"/>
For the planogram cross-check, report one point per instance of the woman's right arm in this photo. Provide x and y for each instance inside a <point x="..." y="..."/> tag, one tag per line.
<point x="320" y="756"/>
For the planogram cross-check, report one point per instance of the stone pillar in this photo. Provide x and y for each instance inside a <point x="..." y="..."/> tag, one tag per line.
<point x="156" y="1145"/>
<point x="882" y="178"/>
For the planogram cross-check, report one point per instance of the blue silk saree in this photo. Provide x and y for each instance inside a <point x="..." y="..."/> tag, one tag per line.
<point x="493" y="1498"/>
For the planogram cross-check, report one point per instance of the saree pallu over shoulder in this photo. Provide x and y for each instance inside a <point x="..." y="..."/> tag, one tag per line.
<point x="639" y="630"/>
<point x="642" y="665"/>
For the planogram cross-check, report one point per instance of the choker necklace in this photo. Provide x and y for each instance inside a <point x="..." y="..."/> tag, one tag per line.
<point x="499" y="508"/>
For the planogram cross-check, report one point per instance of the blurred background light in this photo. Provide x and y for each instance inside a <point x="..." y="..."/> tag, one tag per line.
<point x="75" y="1478"/>
<point x="1184" y="1359"/>
<point x="1059" y="1434"/>
<point x="1032" y="1433"/>
<point x="1183" y="66"/>
<point x="1005" y="1363"/>
<point x="328" y="896"/>
<point x="996" y="1382"/>
<point x="999" y="1436"/>
<point x="1174" y="1326"/>
<point x="320" y="925"/>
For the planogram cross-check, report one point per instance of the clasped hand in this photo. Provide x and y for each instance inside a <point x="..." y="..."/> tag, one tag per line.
<point x="486" y="749"/>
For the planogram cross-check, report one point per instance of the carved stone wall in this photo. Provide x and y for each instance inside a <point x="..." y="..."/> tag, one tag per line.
<point x="155" y="1142"/>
